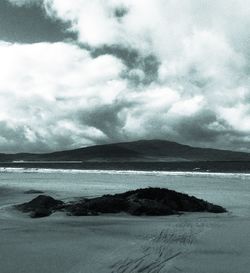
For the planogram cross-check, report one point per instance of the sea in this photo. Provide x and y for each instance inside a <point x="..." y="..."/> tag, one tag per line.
<point x="230" y="190"/>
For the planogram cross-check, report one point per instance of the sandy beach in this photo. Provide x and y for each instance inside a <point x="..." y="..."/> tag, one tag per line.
<point x="190" y="243"/>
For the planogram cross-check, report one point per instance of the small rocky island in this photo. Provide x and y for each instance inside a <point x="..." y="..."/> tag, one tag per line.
<point x="148" y="201"/>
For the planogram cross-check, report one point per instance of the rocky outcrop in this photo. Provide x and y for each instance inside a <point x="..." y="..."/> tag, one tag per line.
<point x="41" y="206"/>
<point x="95" y="206"/>
<point x="149" y="201"/>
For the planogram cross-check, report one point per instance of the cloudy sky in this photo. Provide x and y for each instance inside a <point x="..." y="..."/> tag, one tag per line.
<point x="83" y="72"/>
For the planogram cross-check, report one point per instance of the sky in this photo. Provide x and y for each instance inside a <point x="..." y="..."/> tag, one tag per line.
<point x="85" y="72"/>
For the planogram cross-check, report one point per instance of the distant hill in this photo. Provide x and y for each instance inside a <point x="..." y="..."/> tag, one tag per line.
<point x="139" y="151"/>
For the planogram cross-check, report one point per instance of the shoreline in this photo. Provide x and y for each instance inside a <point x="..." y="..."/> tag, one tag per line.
<point x="122" y="172"/>
<point x="230" y="167"/>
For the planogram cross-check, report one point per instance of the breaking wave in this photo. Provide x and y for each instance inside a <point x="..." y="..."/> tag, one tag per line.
<point x="124" y="172"/>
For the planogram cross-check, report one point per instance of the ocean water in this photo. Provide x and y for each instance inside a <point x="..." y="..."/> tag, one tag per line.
<point x="231" y="190"/>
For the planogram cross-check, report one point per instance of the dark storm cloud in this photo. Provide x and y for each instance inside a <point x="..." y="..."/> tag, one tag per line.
<point x="108" y="119"/>
<point x="30" y="24"/>
<point x="196" y="129"/>
<point x="14" y="139"/>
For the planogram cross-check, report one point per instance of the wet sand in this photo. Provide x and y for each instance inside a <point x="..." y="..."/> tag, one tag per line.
<point x="191" y="243"/>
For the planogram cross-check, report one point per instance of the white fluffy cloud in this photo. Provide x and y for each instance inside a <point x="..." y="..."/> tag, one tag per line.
<point x="62" y="96"/>
<point x="43" y="86"/>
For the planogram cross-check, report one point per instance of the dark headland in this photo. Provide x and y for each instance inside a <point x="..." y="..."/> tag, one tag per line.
<point x="137" y="155"/>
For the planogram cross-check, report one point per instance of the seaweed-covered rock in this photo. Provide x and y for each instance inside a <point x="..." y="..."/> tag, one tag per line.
<point x="107" y="204"/>
<point x="148" y="207"/>
<point x="41" y="206"/>
<point x="42" y="212"/>
<point x="169" y="200"/>
<point x="95" y="206"/>
<point x="79" y="208"/>
<point x="149" y="201"/>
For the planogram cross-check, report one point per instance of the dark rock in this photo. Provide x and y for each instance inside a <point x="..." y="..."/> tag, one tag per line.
<point x="79" y="209"/>
<point x="170" y="200"/>
<point x="149" y="201"/>
<point x="107" y="204"/>
<point x="215" y="208"/>
<point x="41" y="205"/>
<point x="38" y="213"/>
<point x="81" y="212"/>
<point x="104" y="204"/>
<point x="148" y="207"/>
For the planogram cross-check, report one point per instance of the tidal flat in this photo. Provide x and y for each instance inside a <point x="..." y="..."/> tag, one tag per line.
<point x="190" y="243"/>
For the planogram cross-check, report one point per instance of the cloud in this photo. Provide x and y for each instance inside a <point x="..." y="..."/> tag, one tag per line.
<point x="175" y="70"/>
<point x="44" y="86"/>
